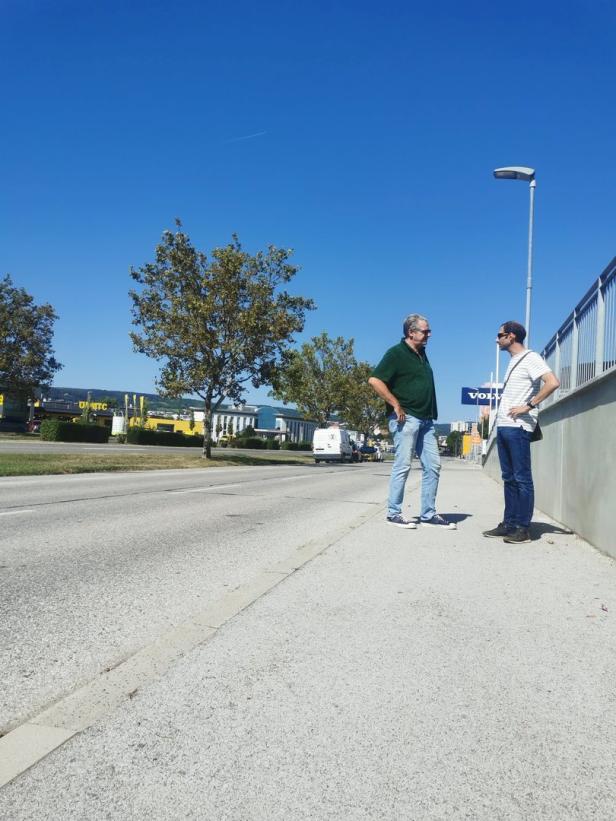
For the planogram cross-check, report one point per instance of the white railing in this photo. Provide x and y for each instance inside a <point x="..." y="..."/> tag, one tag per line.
<point x="584" y="346"/>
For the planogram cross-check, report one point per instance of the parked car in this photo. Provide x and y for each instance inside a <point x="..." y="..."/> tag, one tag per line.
<point x="370" y="453"/>
<point x="331" y="445"/>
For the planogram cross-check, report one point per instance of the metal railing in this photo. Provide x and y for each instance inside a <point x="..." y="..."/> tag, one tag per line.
<point x="585" y="344"/>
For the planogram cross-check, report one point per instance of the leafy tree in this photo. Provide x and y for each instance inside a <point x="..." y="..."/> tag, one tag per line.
<point x="317" y="378"/>
<point x="484" y="427"/>
<point x="247" y="433"/>
<point x="364" y="410"/>
<point x="214" y="323"/>
<point x="26" y="332"/>
<point x="230" y="428"/>
<point x="454" y="442"/>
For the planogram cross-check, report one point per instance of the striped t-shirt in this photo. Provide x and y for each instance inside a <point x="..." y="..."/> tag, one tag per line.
<point x="525" y="382"/>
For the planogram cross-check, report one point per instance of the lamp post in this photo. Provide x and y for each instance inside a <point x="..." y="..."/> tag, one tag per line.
<point x="515" y="172"/>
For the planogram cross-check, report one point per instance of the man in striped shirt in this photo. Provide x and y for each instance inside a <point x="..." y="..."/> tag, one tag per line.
<point x="528" y="381"/>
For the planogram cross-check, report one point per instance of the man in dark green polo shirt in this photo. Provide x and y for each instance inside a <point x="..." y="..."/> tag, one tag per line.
<point x="404" y="379"/>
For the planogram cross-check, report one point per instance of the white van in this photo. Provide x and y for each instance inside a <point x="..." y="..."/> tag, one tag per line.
<point x="331" y="445"/>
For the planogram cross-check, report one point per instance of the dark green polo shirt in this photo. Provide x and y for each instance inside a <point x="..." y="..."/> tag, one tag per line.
<point x="409" y="377"/>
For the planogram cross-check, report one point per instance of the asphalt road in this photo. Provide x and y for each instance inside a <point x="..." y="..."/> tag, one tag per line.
<point x="94" y="566"/>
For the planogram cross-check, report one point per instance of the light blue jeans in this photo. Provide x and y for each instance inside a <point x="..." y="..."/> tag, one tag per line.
<point x="414" y="435"/>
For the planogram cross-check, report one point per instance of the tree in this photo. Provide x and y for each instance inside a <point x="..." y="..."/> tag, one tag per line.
<point x="454" y="442"/>
<point x="364" y="410"/>
<point x="317" y="378"/>
<point x="484" y="427"/>
<point x="214" y="323"/>
<point x="230" y="428"/>
<point x="26" y="332"/>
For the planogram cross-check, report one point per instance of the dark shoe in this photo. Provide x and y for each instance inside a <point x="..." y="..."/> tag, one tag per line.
<point x="520" y="535"/>
<point x="439" y="521"/>
<point x="499" y="531"/>
<point x="400" y="521"/>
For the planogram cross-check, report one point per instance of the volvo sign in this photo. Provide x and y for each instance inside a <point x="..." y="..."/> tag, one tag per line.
<point x="479" y="396"/>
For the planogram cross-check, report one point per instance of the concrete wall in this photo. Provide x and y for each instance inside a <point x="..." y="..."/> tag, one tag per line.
<point x="574" y="466"/>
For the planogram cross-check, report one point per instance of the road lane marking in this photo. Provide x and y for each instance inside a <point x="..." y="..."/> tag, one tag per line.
<point x="30" y="742"/>
<point x="250" y="482"/>
<point x="14" y="512"/>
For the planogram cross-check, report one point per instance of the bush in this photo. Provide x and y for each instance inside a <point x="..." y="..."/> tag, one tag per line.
<point x="54" y="430"/>
<point x="251" y="442"/>
<point x="145" y="436"/>
<point x="297" y="446"/>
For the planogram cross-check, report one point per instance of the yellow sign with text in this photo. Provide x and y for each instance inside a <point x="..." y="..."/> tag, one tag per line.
<point x="93" y="405"/>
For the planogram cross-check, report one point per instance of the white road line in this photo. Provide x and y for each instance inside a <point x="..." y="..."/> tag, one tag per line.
<point x="205" y="489"/>
<point x="243" y="484"/>
<point x="14" y="512"/>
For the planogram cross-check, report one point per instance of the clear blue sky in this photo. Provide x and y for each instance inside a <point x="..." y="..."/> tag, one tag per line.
<point x="375" y="134"/>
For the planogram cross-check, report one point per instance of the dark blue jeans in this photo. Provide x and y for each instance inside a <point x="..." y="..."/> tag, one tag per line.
<point x="514" y="454"/>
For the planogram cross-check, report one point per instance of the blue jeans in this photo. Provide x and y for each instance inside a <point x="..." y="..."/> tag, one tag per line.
<point x="514" y="454"/>
<point x="414" y="435"/>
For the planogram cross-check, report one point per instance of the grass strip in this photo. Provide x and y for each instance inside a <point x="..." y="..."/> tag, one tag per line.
<point x="37" y="464"/>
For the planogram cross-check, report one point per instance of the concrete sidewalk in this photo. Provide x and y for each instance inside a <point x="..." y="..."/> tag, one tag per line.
<point x="398" y="675"/>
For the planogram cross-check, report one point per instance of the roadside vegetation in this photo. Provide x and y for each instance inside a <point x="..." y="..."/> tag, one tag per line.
<point x="216" y="324"/>
<point x="36" y="464"/>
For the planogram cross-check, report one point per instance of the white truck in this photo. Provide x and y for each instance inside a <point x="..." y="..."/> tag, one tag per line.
<point x="331" y="445"/>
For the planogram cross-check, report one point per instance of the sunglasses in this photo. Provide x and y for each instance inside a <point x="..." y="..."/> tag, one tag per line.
<point x="498" y="336"/>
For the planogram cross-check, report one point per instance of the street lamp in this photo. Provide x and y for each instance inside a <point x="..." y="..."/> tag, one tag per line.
<point x="516" y="172"/>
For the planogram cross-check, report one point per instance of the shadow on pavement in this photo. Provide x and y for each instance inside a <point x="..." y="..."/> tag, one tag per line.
<point x="539" y="529"/>
<point x="457" y="517"/>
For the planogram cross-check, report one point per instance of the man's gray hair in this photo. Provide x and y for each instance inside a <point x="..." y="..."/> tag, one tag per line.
<point x="410" y="323"/>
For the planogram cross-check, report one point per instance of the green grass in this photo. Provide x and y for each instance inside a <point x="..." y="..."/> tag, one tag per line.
<point x="37" y="464"/>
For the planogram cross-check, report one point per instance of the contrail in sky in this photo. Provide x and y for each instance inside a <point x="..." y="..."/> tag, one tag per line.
<point x="247" y="137"/>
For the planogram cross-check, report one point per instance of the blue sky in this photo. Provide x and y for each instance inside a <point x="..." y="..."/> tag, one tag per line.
<point x="376" y="132"/>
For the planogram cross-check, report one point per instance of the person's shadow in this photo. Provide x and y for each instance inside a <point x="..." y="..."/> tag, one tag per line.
<point x="456" y="517"/>
<point x="539" y="529"/>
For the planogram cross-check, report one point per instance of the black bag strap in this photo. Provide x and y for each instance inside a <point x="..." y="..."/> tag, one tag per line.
<point x="509" y="377"/>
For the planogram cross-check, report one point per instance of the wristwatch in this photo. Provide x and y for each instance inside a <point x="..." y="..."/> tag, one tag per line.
<point x="531" y="405"/>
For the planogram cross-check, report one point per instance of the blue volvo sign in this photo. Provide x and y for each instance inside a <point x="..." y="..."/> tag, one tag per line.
<point x="479" y="396"/>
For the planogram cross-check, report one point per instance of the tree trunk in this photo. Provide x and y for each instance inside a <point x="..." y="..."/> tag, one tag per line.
<point x="207" y="428"/>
